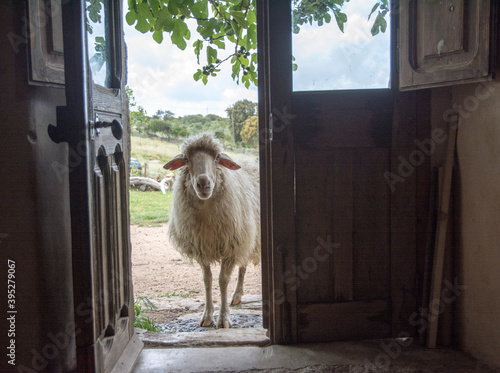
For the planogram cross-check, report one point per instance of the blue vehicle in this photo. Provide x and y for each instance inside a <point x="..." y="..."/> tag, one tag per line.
<point x="135" y="165"/>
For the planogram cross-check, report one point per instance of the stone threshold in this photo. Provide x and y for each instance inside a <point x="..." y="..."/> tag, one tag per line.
<point x="211" y="338"/>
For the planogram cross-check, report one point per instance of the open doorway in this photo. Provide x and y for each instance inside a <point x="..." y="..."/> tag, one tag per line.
<point x="166" y="106"/>
<point x="158" y="77"/>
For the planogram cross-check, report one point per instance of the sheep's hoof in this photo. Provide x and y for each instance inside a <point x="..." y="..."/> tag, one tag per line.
<point x="223" y="322"/>
<point x="236" y="299"/>
<point x="206" y="321"/>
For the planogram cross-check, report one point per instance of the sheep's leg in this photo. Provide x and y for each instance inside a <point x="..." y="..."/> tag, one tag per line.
<point x="208" y="314"/>
<point x="238" y="292"/>
<point x="224" y="320"/>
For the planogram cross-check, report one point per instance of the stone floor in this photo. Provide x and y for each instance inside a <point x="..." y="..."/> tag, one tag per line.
<point x="353" y="357"/>
<point x="185" y="347"/>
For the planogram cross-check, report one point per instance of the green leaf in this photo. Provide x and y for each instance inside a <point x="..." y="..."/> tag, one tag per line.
<point x="158" y="36"/>
<point x="380" y="24"/>
<point x="172" y="7"/>
<point x="144" y="14"/>
<point x="375" y="7"/>
<point x="207" y="28"/>
<point x="131" y="17"/>
<point x="180" y="32"/>
<point x="165" y="21"/>
<point x="236" y="68"/>
<point x="199" y="9"/>
<point x="244" y="61"/>
<point x="211" y="54"/>
<point x="341" y="18"/>
<point x="198" y="46"/>
<point x="154" y="6"/>
<point x="197" y="75"/>
<point x="219" y="43"/>
<point x="239" y="17"/>
<point x="132" y="4"/>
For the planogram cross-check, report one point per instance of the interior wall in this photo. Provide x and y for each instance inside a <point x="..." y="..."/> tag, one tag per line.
<point x="478" y="211"/>
<point x="476" y="198"/>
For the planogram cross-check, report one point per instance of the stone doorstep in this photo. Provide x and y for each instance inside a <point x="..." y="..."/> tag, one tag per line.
<point x="214" y="338"/>
<point x="250" y="304"/>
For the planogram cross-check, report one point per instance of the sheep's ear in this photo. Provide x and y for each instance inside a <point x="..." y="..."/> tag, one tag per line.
<point x="227" y="162"/>
<point x="177" y="162"/>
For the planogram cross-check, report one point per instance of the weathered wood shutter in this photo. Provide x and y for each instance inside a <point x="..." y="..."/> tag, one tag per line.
<point x="444" y="42"/>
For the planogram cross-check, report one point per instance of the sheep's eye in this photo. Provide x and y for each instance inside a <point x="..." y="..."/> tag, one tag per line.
<point x="217" y="158"/>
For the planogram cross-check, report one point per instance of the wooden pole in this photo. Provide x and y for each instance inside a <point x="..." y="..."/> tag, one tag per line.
<point x="442" y="224"/>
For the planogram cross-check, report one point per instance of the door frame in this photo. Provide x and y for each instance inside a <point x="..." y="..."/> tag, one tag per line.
<point x="276" y="168"/>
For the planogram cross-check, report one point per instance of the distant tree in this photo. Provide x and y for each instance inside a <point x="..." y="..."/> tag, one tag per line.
<point x="163" y="114"/>
<point x="179" y="131"/>
<point x="130" y="95"/>
<point x="238" y="113"/>
<point x="138" y="116"/>
<point x="249" y="133"/>
<point x="159" y="126"/>
<point x="139" y="119"/>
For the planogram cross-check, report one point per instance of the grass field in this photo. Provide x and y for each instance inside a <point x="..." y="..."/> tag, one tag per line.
<point x="153" y="154"/>
<point x="149" y="209"/>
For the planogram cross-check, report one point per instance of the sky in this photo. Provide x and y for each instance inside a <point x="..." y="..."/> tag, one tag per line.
<point x="161" y="75"/>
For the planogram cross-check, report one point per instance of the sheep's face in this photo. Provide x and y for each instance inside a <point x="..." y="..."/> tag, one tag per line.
<point x="202" y="168"/>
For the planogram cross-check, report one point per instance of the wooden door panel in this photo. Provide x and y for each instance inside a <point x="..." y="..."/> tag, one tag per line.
<point x="342" y="150"/>
<point x="342" y="119"/>
<point x="324" y="322"/>
<point x="342" y="193"/>
<point x="343" y="220"/>
<point x="371" y="224"/>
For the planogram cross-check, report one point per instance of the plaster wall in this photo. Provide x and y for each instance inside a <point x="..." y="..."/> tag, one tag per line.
<point x="477" y="227"/>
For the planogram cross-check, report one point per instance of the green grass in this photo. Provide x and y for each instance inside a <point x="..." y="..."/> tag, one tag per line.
<point x="142" y="321"/>
<point x="149" y="209"/>
<point x="146" y="149"/>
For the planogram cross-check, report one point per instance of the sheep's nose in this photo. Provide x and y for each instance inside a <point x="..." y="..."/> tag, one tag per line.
<point x="203" y="183"/>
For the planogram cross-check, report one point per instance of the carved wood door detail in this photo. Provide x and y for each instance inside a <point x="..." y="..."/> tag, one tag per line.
<point x="93" y="124"/>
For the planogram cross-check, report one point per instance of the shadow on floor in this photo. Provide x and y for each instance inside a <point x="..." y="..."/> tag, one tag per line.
<point x="354" y="357"/>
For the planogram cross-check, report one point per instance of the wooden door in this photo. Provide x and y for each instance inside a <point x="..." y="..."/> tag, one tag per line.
<point x="339" y="244"/>
<point x="92" y="124"/>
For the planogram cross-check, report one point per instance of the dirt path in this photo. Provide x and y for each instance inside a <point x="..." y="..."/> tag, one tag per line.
<point x="157" y="269"/>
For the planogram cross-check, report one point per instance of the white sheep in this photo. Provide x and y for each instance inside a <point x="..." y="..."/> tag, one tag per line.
<point x="215" y="217"/>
